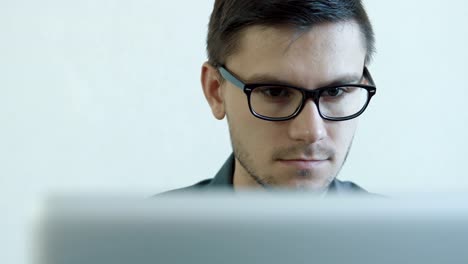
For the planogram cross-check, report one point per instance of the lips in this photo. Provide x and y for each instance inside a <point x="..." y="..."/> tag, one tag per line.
<point x="303" y="163"/>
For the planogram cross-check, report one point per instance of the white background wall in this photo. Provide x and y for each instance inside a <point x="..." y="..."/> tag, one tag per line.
<point x="105" y="95"/>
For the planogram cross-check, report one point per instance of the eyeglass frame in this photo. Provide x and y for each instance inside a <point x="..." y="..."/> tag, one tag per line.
<point x="306" y="94"/>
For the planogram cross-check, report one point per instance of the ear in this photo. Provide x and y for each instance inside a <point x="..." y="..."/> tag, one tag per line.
<point x="212" y="89"/>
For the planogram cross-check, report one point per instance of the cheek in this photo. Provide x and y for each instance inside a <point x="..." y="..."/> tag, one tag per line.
<point x="256" y="136"/>
<point x="342" y="133"/>
<point x="235" y="102"/>
<point x="241" y="122"/>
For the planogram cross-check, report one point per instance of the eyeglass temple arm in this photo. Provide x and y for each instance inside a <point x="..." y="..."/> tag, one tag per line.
<point x="368" y="76"/>
<point x="228" y="76"/>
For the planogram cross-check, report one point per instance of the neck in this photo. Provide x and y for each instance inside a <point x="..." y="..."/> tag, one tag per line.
<point x="242" y="179"/>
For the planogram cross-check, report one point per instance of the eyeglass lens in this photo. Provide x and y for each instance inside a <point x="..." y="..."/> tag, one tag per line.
<point x="281" y="102"/>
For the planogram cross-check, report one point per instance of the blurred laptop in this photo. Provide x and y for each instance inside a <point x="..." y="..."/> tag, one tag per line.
<point x="253" y="228"/>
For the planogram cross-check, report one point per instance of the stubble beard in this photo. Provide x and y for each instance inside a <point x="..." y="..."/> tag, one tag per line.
<point x="268" y="181"/>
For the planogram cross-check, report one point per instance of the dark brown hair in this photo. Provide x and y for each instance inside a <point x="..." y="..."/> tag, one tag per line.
<point x="230" y="17"/>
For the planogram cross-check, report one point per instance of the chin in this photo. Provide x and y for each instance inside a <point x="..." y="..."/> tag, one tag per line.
<point x="309" y="184"/>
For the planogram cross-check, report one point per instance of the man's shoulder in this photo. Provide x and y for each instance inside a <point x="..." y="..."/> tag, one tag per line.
<point x="200" y="186"/>
<point x="222" y="181"/>
<point x="338" y="186"/>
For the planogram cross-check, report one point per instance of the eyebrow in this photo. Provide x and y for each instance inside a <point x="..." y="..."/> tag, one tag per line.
<point x="271" y="79"/>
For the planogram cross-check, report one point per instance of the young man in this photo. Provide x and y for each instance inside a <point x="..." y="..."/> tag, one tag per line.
<point x="291" y="78"/>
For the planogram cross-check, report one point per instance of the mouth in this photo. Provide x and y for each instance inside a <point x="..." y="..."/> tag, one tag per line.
<point x="304" y="163"/>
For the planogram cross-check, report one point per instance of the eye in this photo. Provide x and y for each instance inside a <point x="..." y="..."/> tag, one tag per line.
<point x="275" y="92"/>
<point x="333" y="92"/>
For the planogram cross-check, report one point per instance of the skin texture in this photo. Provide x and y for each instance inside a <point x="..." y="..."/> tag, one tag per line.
<point x="307" y="152"/>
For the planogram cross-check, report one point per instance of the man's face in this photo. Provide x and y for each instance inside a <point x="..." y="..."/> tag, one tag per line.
<point x="306" y="152"/>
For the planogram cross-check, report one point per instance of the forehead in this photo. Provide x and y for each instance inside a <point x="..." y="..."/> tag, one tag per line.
<point x="309" y="58"/>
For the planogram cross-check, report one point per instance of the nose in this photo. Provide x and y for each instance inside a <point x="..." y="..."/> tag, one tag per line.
<point x="308" y="126"/>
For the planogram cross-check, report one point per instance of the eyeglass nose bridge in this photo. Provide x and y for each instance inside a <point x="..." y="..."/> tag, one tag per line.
<point x="314" y="95"/>
<point x="311" y="94"/>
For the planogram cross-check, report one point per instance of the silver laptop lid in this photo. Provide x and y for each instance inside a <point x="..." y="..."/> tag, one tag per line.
<point x="249" y="228"/>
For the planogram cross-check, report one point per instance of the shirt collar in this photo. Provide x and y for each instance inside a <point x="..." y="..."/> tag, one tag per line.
<point x="225" y="174"/>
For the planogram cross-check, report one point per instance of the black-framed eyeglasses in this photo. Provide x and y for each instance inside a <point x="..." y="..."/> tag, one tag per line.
<point x="273" y="102"/>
